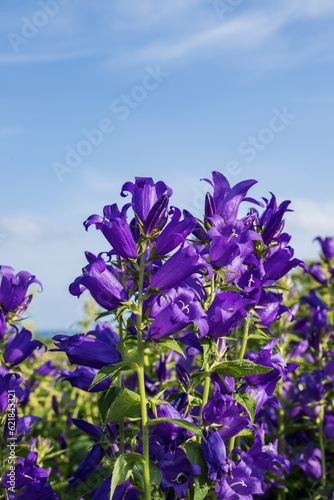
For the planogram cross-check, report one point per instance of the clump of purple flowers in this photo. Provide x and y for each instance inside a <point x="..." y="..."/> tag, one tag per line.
<point x="23" y="479"/>
<point x="192" y="361"/>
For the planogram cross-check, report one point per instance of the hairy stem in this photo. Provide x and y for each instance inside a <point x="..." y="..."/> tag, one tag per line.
<point x="322" y="444"/>
<point x="205" y="394"/>
<point x="241" y="355"/>
<point x="121" y="349"/>
<point x="244" y="339"/>
<point x="141" y="382"/>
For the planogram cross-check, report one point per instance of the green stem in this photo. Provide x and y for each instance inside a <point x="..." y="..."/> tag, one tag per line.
<point x="141" y="382"/>
<point x="241" y="356"/>
<point x="322" y="444"/>
<point x="121" y="348"/>
<point x="205" y="397"/>
<point x="281" y="495"/>
<point x="280" y="418"/>
<point x="244" y="339"/>
<point x="207" y="379"/>
<point x="212" y="290"/>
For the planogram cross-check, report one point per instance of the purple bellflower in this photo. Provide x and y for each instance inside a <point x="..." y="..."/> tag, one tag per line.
<point x="102" y="493"/>
<point x="145" y="194"/>
<point x="227" y="310"/>
<point x="26" y="472"/>
<point x="116" y="230"/>
<point x="87" y="351"/>
<point x="177" y="472"/>
<point x="270" y="308"/>
<point x="308" y="461"/>
<point x="13" y="289"/>
<point x="327" y="247"/>
<point x="174" y="233"/>
<point x="316" y="273"/>
<point x="180" y="266"/>
<point x="226" y="200"/>
<point x="214" y="452"/>
<point x="37" y="491"/>
<point x="82" y="377"/>
<point x="239" y="483"/>
<point x="222" y="410"/>
<point x="20" y="347"/>
<point x="102" y="284"/>
<point x="181" y="311"/>
<point x="3" y="325"/>
<point x="318" y="308"/>
<point x="271" y="221"/>
<point x="88" y="466"/>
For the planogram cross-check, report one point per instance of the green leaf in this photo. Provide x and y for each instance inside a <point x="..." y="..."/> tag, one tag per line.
<point x="171" y="344"/>
<point x="112" y="371"/>
<point x="106" y="399"/>
<point x="177" y="421"/>
<point x="247" y="402"/>
<point x="195" y="456"/>
<point x="232" y="288"/>
<point x="240" y="368"/>
<point x="123" y="468"/>
<point x="155" y="475"/>
<point x="127" y="404"/>
<point x="103" y="314"/>
<point x="278" y="287"/>
<point x="246" y="433"/>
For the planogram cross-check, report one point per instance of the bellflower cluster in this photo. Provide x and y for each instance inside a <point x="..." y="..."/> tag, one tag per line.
<point x="305" y="421"/>
<point x="194" y="362"/>
<point x="21" y="476"/>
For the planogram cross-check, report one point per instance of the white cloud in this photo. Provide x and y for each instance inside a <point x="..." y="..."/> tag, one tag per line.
<point x="140" y="32"/>
<point x="31" y="58"/>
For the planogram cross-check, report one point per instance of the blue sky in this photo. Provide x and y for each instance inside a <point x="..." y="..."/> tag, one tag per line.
<point x="177" y="89"/>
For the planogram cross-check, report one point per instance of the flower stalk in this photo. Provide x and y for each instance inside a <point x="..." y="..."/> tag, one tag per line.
<point x="141" y="381"/>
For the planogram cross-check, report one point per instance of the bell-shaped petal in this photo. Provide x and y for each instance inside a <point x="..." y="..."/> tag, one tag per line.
<point x="226" y="199"/>
<point x="157" y="216"/>
<point x="180" y="266"/>
<point x="318" y="308"/>
<point x="20" y="346"/>
<point x="88" y="466"/>
<point x="82" y="377"/>
<point x="116" y="230"/>
<point x="182" y="310"/>
<point x="177" y="472"/>
<point x="316" y="273"/>
<point x="105" y="333"/>
<point x="271" y="221"/>
<point x="270" y="308"/>
<point x="102" y="284"/>
<point x="87" y="351"/>
<point x="214" y="452"/>
<point x="327" y="247"/>
<point x="309" y="461"/>
<point x="280" y="263"/>
<point x="227" y="310"/>
<point x="94" y="431"/>
<point x="26" y="472"/>
<point x="3" y="325"/>
<point x="174" y="233"/>
<point x="145" y="193"/>
<point x="13" y="287"/>
<point x="239" y="483"/>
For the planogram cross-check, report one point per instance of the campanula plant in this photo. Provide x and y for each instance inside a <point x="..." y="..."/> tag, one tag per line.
<point x="193" y="361"/>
